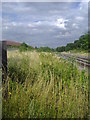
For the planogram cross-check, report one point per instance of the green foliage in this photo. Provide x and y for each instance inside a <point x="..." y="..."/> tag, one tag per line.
<point x="45" y="49"/>
<point x="69" y="46"/>
<point x="60" y="49"/>
<point x="12" y="46"/>
<point x="81" y="44"/>
<point x="43" y="86"/>
<point x="25" y="47"/>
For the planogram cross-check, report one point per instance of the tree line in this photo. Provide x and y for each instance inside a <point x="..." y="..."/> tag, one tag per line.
<point x="81" y="44"/>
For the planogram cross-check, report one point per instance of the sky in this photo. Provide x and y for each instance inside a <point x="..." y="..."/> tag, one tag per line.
<point x="49" y="24"/>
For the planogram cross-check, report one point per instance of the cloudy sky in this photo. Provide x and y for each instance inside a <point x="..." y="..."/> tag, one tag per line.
<point x="50" y="24"/>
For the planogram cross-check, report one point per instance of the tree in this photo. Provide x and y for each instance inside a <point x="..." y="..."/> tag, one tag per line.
<point x="81" y="44"/>
<point x="23" y="47"/>
<point x="60" y="49"/>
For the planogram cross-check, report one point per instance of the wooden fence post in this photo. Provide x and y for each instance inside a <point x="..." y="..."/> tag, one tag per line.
<point x="0" y="80"/>
<point x="4" y="68"/>
<point x="4" y="61"/>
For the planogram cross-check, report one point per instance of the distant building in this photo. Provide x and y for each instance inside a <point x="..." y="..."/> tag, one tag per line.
<point x="12" y="43"/>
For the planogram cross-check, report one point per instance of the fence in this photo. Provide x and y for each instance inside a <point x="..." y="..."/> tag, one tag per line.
<point x="3" y="66"/>
<point x="4" y="61"/>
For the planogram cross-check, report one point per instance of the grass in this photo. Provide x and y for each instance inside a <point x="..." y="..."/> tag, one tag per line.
<point x="79" y="52"/>
<point x="41" y="85"/>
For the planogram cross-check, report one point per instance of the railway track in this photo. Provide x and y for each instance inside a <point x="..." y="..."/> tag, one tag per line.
<point x="82" y="60"/>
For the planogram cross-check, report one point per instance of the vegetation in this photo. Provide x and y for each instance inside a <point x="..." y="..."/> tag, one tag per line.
<point x="41" y="85"/>
<point x="45" y="49"/>
<point x="25" y="47"/>
<point x="60" y="49"/>
<point x="12" y="47"/>
<point x="81" y="44"/>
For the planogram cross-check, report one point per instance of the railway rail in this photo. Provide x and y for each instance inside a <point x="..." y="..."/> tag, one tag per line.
<point x="82" y="60"/>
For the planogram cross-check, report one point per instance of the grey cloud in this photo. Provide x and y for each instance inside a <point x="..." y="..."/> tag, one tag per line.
<point x="36" y="23"/>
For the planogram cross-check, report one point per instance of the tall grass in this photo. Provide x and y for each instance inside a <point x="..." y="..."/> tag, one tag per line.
<point x="41" y="85"/>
